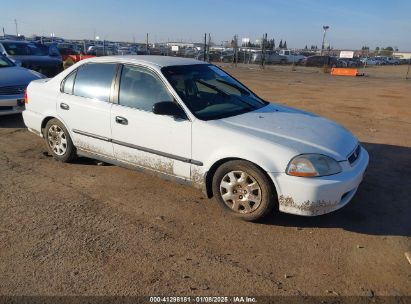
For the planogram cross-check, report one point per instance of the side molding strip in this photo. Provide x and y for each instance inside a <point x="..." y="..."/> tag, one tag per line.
<point x="148" y="150"/>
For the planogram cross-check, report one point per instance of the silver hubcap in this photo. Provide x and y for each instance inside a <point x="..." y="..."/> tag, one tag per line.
<point x="240" y="191"/>
<point x="57" y="140"/>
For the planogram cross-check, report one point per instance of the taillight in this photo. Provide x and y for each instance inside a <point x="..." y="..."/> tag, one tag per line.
<point x="26" y="100"/>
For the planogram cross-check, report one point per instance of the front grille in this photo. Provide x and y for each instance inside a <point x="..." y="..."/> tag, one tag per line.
<point x="352" y="158"/>
<point x="6" y="108"/>
<point x="13" y="90"/>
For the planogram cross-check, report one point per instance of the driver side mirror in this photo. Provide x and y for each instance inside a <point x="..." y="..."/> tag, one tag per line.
<point x="169" y="108"/>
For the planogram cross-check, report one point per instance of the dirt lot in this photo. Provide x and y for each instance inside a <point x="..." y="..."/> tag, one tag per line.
<point x="84" y="229"/>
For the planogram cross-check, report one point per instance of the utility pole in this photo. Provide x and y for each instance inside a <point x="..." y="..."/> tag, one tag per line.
<point x="4" y="33"/>
<point x="263" y="50"/>
<point x="205" y="47"/>
<point x="147" y="43"/>
<point x="236" y="50"/>
<point x="209" y="42"/>
<point x="17" y="27"/>
<point x="235" y="46"/>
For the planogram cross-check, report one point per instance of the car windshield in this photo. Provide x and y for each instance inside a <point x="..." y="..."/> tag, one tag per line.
<point x="4" y="62"/>
<point x="24" y="49"/>
<point x="209" y="92"/>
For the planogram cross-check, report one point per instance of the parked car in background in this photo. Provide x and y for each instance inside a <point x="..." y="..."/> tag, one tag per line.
<point x="34" y="56"/>
<point x="370" y="61"/>
<point x="211" y="56"/>
<point x="291" y="56"/>
<point x="350" y="62"/>
<point x="320" y="61"/>
<point x="388" y="60"/>
<point x="142" y="50"/>
<point x="127" y="51"/>
<point x="13" y="82"/>
<point x="270" y="57"/>
<point x="99" y="50"/>
<point x="66" y="49"/>
<point x="191" y="122"/>
<point x="190" y="52"/>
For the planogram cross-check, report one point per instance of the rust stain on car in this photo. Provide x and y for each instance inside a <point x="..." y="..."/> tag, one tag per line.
<point x="159" y="164"/>
<point x="197" y="177"/>
<point x="314" y="208"/>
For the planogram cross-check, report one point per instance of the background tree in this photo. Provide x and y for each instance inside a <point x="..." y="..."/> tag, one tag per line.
<point x="387" y="51"/>
<point x="281" y="44"/>
<point x="285" y="45"/>
<point x="271" y="44"/>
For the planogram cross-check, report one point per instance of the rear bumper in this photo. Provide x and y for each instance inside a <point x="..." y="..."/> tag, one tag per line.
<point x="316" y="196"/>
<point x="11" y="104"/>
<point x="33" y="121"/>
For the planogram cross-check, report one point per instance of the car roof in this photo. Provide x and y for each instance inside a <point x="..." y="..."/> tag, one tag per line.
<point x="159" y="61"/>
<point x="16" y="41"/>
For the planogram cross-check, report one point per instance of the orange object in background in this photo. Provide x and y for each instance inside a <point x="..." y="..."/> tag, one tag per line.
<point x="69" y="60"/>
<point x="344" y="72"/>
<point x="77" y="58"/>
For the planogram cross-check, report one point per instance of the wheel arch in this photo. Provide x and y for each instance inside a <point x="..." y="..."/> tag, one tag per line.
<point x="49" y="117"/>
<point x="45" y="121"/>
<point x="208" y="178"/>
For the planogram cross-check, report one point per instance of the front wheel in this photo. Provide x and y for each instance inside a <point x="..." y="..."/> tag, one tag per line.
<point x="58" y="141"/>
<point x="243" y="190"/>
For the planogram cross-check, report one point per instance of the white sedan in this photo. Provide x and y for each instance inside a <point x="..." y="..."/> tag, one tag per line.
<point x="192" y="122"/>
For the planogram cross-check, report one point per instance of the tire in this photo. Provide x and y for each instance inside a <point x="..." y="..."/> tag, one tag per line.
<point x="243" y="190"/>
<point x="58" y="141"/>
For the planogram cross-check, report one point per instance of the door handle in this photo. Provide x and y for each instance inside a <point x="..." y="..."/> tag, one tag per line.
<point x="64" y="106"/>
<point x="121" y="120"/>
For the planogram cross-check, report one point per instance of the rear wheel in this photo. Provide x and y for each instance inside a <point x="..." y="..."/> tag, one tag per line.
<point x="243" y="190"/>
<point x="58" y="141"/>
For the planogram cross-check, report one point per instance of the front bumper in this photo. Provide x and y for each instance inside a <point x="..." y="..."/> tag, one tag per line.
<point x="320" y="195"/>
<point x="11" y="104"/>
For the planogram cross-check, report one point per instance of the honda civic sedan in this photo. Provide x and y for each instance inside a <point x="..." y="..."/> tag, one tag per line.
<point x="192" y="122"/>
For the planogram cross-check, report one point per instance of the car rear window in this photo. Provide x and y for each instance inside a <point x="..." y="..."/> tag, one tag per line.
<point x="24" y="49"/>
<point x="94" y="80"/>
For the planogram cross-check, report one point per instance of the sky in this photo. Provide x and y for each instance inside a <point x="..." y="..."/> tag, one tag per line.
<point x="353" y="23"/>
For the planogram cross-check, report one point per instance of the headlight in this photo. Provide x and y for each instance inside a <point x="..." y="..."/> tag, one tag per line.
<point x="311" y="165"/>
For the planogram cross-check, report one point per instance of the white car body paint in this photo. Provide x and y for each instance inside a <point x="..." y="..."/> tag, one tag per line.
<point x="269" y="137"/>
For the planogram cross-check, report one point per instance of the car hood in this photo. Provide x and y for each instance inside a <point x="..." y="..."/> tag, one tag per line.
<point x="12" y="76"/>
<point x="300" y="131"/>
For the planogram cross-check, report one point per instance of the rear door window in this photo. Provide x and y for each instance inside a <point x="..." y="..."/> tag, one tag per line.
<point x="94" y="81"/>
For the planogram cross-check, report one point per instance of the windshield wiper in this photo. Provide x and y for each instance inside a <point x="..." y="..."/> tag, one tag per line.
<point x="213" y="87"/>
<point x="233" y="85"/>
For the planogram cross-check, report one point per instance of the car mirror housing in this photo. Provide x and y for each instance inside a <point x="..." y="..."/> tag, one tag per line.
<point x="169" y="108"/>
